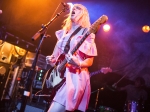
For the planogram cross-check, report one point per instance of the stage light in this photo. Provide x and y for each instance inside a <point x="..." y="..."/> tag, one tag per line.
<point x="145" y="28"/>
<point x="106" y="27"/>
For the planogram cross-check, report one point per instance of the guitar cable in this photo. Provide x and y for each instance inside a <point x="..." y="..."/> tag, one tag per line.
<point x="41" y="94"/>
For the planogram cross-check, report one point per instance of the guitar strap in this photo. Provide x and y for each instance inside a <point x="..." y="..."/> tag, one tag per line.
<point x="67" y="46"/>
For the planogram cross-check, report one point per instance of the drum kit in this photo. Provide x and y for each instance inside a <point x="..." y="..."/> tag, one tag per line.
<point x="105" y="109"/>
<point x="128" y="106"/>
<point x="134" y="106"/>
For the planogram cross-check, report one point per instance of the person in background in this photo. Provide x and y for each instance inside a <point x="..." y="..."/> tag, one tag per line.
<point x="136" y="94"/>
<point x="74" y="94"/>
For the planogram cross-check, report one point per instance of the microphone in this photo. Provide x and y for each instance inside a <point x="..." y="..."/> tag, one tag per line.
<point x="67" y="6"/>
<point x="0" y="11"/>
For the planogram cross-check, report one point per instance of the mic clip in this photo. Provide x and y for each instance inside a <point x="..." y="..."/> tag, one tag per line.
<point x="114" y="85"/>
<point x="66" y="6"/>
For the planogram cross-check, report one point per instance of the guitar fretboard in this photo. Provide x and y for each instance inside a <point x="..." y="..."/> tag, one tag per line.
<point x="62" y="65"/>
<point x="94" y="73"/>
<point x="93" y="29"/>
<point x="79" y="43"/>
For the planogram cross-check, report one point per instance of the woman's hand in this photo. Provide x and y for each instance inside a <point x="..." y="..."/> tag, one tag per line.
<point x="50" y="60"/>
<point x="72" y="60"/>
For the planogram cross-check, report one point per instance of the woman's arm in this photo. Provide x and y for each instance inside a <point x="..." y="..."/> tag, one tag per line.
<point x="53" y="58"/>
<point x="56" y="52"/>
<point x="87" y="62"/>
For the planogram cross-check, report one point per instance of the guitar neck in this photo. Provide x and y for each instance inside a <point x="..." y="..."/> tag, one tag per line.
<point x="95" y="73"/>
<point x="63" y="63"/>
<point x="79" y="43"/>
<point x="103" y="70"/>
<point x="93" y="29"/>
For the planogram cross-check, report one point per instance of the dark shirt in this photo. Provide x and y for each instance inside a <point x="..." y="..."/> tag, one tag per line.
<point x="134" y="93"/>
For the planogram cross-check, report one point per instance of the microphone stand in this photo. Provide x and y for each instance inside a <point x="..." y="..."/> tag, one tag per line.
<point x="115" y="84"/>
<point x="31" y="74"/>
<point x="96" y="101"/>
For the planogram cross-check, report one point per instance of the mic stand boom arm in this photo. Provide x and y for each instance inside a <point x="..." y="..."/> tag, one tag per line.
<point x="44" y="27"/>
<point x="31" y="74"/>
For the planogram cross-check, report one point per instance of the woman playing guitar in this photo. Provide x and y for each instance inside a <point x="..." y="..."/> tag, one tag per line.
<point x="75" y="92"/>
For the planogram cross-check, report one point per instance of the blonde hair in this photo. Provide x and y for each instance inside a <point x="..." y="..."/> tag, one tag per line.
<point x="84" y="21"/>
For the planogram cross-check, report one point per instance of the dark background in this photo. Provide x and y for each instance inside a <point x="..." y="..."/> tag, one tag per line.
<point x="125" y="48"/>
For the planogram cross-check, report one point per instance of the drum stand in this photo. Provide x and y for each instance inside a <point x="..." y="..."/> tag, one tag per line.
<point x="96" y="100"/>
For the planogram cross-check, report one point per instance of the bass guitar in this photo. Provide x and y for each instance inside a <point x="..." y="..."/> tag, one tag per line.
<point x="59" y="67"/>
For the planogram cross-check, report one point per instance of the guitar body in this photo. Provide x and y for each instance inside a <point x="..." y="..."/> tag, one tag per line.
<point x="52" y="80"/>
<point x="52" y="83"/>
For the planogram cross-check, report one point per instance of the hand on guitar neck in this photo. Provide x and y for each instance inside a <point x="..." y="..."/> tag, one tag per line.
<point x="105" y="70"/>
<point x="72" y="60"/>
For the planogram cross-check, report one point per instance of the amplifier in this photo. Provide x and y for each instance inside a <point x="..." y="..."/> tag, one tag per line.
<point x="4" y="78"/>
<point x="41" y="62"/>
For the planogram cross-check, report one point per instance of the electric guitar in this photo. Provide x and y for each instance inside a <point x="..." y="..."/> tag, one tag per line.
<point x="55" y="82"/>
<point x="59" y="67"/>
<point x="55" y="79"/>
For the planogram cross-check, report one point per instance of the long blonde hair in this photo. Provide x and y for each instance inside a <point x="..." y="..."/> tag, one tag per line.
<point x="84" y="21"/>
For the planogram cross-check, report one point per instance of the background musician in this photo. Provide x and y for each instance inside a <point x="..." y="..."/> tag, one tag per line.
<point x="135" y="94"/>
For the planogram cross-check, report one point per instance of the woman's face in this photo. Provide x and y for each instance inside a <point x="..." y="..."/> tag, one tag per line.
<point x="76" y="13"/>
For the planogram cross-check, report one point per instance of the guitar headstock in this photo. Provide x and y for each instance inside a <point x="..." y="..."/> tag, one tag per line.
<point x="106" y="70"/>
<point x="94" y="27"/>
